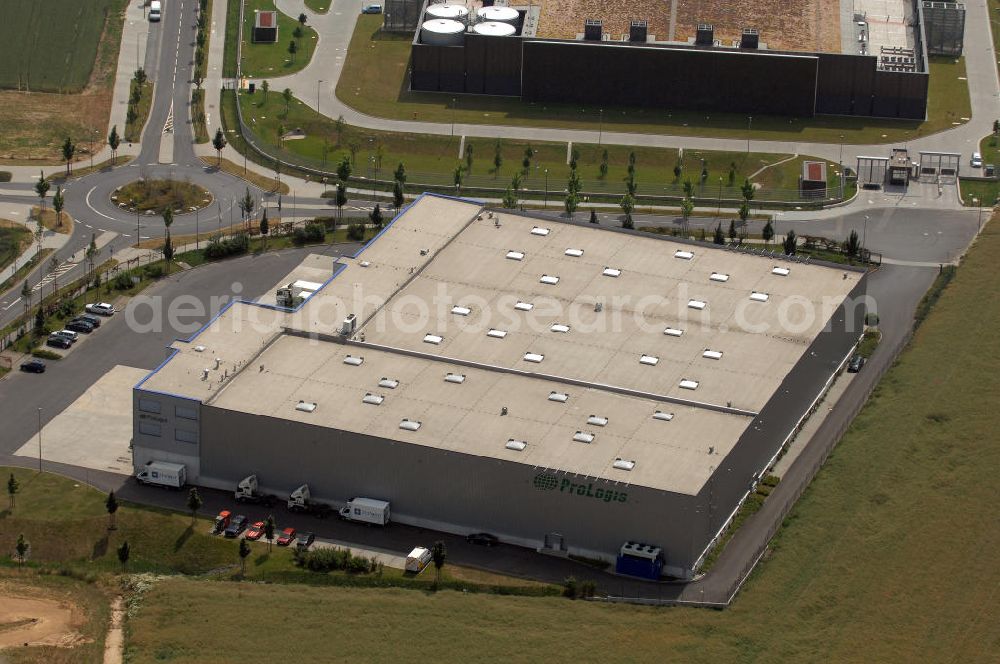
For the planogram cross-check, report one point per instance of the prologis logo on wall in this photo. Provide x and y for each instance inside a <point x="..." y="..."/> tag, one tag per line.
<point x="546" y="482"/>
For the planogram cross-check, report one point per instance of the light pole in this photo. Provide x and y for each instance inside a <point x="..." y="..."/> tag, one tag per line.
<point x="372" y="157"/>
<point x="841" y="162"/>
<point x="864" y="236"/>
<point x="39" y="440"/>
<point x="454" y="103"/>
<point x="546" y="206"/>
<point x="197" y="227"/>
<point x="749" y="125"/>
<point x="975" y="201"/>
<point x="600" y="130"/>
<point x="136" y="207"/>
<point x="317" y="94"/>
<point x="718" y="210"/>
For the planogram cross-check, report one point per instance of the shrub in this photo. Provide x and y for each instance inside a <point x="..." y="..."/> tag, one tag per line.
<point x="328" y="223"/>
<point x="570" y="589"/>
<point x="588" y="589"/>
<point x="218" y="248"/>
<point x="328" y="560"/>
<point x="154" y="271"/>
<point x="356" y="232"/>
<point x="46" y="354"/>
<point x="123" y="281"/>
<point x="311" y="233"/>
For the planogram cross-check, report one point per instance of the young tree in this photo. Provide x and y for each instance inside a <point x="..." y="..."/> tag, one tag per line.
<point x="744" y="212"/>
<point x="376" y="217"/>
<point x="219" y="143"/>
<point x="687" y="207"/>
<point x="58" y="202"/>
<point x="13" y="486"/>
<point x="341" y="199"/>
<point x="293" y="48"/>
<point x="91" y="255"/>
<point x="68" y="150"/>
<point x="26" y="298"/>
<point x="529" y="154"/>
<point x="40" y="316"/>
<point x="688" y="188"/>
<point x="113" y="142"/>
<point x="853" y="244"/>
<point x="509" y="200"/>
<point x="302" y="19"/>
<point x="593" y="216"/>
<point x="344" y="169"/>
<point x="168" y="247"/>
<point x="397" y="195"/>
<point x="732" y="231"/>
<point x="468" y="157"/>
<point x="768" y="232"/>
<point x="53" y="267"/>
<point x="571" y="203"/>
<point x="194" y="503"/>
<point x="718" y="237"/>
<point x="269" y="528"/>
<point x="42" y="188"/>
<point x="790" y="244"/>
<point x="111" y="505"/>
<point x="574" y="157"/>
<point x="677" y="171"/>
<point x="747" y="190"/>
<point x="732" y="173"/>
<point x="338" y="126"/>
<point x="399" y="175"/>
<point x="627" y="204"/>
<point x="603" y="168"/>
<point x="265" y="228"/>
<point x="459" y="176"/>
<point x="246" y="204"/>
<point x="439" y="553"/>
<point x="21" y="548"/>
<point x="244" y="552"/>
<point x="627" y="222"/>
<point x="297" y="32"/>
<point x="286" y="95"/>
<point x="124" y="551"/>
<point x="264" y="87"/>
<point x="497" y="158"/>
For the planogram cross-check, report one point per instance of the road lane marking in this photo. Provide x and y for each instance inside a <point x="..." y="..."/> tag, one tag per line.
<point x="92" y="207"/>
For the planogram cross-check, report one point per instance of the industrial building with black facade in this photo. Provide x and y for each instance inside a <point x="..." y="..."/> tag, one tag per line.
<point x="564" y="386"/>
<point x="878" y="69"/>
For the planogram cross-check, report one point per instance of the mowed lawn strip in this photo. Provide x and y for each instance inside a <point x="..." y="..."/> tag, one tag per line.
<point x="891" y="555"/>
<point x="374" y="82"/>
<point x="273" y="59"/>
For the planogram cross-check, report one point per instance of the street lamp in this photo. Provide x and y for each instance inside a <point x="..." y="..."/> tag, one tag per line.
<point x="454" y="103"/>
<point x="600" y="131"/>
<point x="136" y="208"/>
<point x="975" y="201"/>
<point x="841" y="162"/>
<point x="749" y="125"/>
<point x="372" y="157"/>
<point x="317" y="94"/>
<point x="39" y="440"/>
<point x="864" y="236"/>
<point x="718" y="210"/>
<point x="546" y="206"/>
<point x="197" y="231"/>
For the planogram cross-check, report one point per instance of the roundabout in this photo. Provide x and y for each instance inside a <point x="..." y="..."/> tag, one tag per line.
<point x="153" y="196"/>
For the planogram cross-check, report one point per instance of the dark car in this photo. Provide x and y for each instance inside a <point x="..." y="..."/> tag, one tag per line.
<point x="854" y="366"/>
<point x="304" y="540"/>
<point x="236" y="526"/>
<point x="482" y="539"/>
<point x="57" y="341"/>
<point x="90" y="318"/>
<point x="77" y="325"/>
<point x="33" y="366"/>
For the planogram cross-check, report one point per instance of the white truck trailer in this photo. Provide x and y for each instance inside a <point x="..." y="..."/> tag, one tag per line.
<point x="366" y="510"/>
<point x="162" y="473"/>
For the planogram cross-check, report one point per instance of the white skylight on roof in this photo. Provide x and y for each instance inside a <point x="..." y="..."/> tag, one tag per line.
<point x="454" y="378"/>
<point x="353" y="361"/>
<point x="660" y="415"/>
<point x="583" y="437"/>
<point x="718" y="276"/>
<point x="461" y="311"/>
<point x="688" y="384"/>
<point x="533" y="357"/>
<point x="575" y="253"/>
<point x="305" y="406"/>
<point x="597" y="421"/>
<point x="390" y="383"/>
<point x="561" y="397"/>
<point x="516" y="445"/>
<point x="433" y="339"/>
<point x="685" y="255"/>
<point x="497" y="334"/>
<point x="780" y="271"/>
<point x="697" y="304"/>
<point x="515" y="255"/>
<point x="623" y="464"/>
<point x="538" y="230"/>
<point x="712" y="354"/>
<point x="409" y="425"/>
<point x="759" y="297"/>
<point x="611" y="272"/>
<point x="373" y="399"/>
<point x="673" y="332"/>
<point x="559" y="327"/>
<point x="549" y="279"/>
<point x="651" y="360"/>
<point x="524" y="306"/>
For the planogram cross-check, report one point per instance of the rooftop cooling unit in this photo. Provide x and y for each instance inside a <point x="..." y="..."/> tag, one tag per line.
<point x="592" y="29"/>
<point x="750" y="38"/>
<point x="705" y="36"/>
<point x="637" y="31"/>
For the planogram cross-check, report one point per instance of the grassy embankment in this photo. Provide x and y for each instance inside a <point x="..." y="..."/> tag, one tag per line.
<point x="263" y="60"/>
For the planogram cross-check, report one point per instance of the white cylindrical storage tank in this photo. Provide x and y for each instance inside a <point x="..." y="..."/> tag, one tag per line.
<point x="494" y="29"/>
<point x="442" y="32"/>
<point x="446" y="11"/>
<point x="498" y="14"/>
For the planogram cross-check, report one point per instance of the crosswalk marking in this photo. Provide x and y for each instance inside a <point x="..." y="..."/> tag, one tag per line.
<point x="59" y="271"/>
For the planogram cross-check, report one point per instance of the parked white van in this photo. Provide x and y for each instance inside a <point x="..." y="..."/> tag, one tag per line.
<point x="155" y="10"/>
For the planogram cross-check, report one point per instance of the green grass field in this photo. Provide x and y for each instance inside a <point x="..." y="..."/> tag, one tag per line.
<point x="318" y="6"/>
<point x="13" y="239"/>
<point x="374" y="82"/>
<point x="891" y="555"/>
<point x="262" y="61"/>
<point x="432" y="159"/>
<point x="50" y="45"/>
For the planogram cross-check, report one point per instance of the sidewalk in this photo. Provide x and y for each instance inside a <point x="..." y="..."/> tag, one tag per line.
<point x="50" y="240"/>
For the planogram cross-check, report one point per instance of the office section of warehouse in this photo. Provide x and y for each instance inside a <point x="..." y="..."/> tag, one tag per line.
<point x="564" y="386"/>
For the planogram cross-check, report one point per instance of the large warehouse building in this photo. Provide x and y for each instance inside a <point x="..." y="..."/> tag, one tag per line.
<point x="561" y="385"/>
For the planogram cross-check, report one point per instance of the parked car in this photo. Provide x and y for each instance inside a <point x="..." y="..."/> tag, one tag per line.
<point x="304" y="540"/>
<point x="100" y="308"/>
<point x="372" y="9"/>
<point x="977" y="160"/>
<point x="482" y="539"/>
<point x="854" y="366"/>
<point x="236" y="526"/>
<point x="286" y="537"/>
<point x="256" y="531"/>
<point x="57" y="341"/>
<point x="90" y="318"/>
<point x="33" y="366"/>
<point x="69" y="334"/>
<point x="77" y="325"/>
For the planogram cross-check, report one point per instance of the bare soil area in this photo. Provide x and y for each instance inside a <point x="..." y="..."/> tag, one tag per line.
<point x="790" y="25"/>
<point x="37" y="621"/>
<point x="564" y="19"/>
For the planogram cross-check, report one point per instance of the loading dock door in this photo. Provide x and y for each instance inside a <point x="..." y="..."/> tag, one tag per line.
<point x="871" y="171"/>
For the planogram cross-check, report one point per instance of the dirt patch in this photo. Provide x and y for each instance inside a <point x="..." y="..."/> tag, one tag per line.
<point x="793" y="25"/>
<point x="564" y="19"/>
<point x="37" y="621"/>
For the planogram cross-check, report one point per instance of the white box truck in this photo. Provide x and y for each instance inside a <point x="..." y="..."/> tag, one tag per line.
<point x="418" y="559"/>
<point x="366" y="510"/>
<point x="162" y="473"/>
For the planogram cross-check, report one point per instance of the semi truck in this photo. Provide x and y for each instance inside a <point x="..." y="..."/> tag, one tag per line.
<point x="301" y="501"/>
<point x="366" y="510"/>
<point x="163" y="473"/>
<point x="248" y="491"/>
